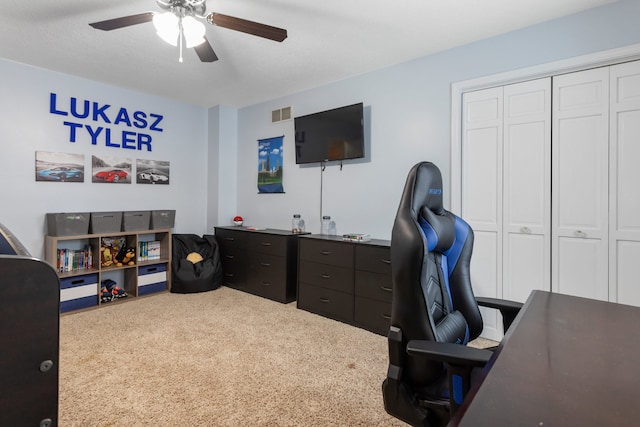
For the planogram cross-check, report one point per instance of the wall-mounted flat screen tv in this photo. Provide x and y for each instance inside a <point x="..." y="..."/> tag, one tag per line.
<point x="336" y="134"/>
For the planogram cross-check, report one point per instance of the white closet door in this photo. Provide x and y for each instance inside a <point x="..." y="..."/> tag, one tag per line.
<point x="580" y="183"/>
<point x="482" y="195"/>
<point x="624" y="232"/>
<point x="527" y="185"/>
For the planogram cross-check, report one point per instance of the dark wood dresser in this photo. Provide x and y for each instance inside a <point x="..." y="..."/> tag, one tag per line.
<point x="346" y="281"/>
<point x="261" y="262"/>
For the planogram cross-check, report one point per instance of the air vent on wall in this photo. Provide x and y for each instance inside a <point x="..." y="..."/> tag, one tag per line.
<point x="281" y="114"/>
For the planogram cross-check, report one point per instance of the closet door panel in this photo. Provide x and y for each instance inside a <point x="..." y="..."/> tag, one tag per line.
<point x="580" y="191"/>
<point x="482" y="159"/>
<point x="485" y="279"/>
<point x="627" y="173"/>
<point x="527" y="200"/>
<point x="580" y="179"/>
<point x="580" y="268"/>
<point x="482" y="195"/>
<point x="624" y="183"/>
<point x="526" y="265"/>
<point x="628" y="272"/>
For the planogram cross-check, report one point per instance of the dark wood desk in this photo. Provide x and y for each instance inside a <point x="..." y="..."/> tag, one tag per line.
<point x="566" y="361"/>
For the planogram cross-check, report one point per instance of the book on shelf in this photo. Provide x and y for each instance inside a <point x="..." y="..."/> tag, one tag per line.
<point x="149" y="251"/>
<point x="74" y="260"/>
<point x="356" y="237"/>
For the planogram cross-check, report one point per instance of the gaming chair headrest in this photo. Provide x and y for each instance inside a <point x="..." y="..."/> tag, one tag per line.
<point x="427" y="188"/>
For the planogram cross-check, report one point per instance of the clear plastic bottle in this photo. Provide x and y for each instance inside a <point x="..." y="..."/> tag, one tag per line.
<point x="328" y="226"/>
<point x="297" y="224"/>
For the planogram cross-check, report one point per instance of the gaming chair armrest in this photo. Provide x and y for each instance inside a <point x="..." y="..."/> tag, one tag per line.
<point x="508" y="309"/>
<point x="454" y="354"/>
<point x="460" y="361"/>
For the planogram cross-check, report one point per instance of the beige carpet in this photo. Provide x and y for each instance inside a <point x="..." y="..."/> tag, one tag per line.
<point x="220" y="358"/>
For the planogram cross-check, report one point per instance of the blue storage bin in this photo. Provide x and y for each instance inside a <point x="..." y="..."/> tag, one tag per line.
<point x="152" y="278"/>
<point x="78" y="292"/>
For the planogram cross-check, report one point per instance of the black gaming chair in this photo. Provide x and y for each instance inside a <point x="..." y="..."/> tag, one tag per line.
<point x="29" y="336"/>
<point x="434" y="312"/>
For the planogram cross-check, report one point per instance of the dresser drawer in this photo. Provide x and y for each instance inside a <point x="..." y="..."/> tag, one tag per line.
<point x="373" y="315"/>
<point x="266" y="269"/>
<point x="373" y="285"/>
<point x="373" y="258"/>
<point x="327" y="276"/>
<point x="267" y="243"/>
<point x="233" y="266"/>
<point x="230" y="238"/>
<point x="326" y="302"/>
<point x="327" y="252"/>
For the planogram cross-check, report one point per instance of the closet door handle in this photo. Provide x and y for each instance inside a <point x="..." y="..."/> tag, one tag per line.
<point x="525" y="230"/>
<point x="580" y="233"/>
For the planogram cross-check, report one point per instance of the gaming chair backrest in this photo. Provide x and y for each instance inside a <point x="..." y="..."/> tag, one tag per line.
<point x="9" y="244"/>
<point x="431" y="302"/>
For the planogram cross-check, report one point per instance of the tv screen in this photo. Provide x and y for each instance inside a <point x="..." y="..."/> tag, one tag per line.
<point x="330" y="135"/>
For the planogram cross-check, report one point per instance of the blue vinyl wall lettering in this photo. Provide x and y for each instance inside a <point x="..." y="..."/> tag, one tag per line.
<point x="102" y="115"/>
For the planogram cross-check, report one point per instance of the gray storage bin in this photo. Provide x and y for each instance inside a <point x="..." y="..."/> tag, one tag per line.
<point x="162" y="219"/>
<point x="106" y="222"/>
<point x="67" y="223"/>
<point x="135" y="220"/>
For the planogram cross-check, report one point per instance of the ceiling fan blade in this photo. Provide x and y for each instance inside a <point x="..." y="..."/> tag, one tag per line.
<point x="249" y="27"/>
<point x="205" y="51"/>
<point x="125" y="21"/>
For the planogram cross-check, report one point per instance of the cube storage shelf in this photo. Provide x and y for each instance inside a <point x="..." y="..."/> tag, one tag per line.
<point x="80" y="287"/>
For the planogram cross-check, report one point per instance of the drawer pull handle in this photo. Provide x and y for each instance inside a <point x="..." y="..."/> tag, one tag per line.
<point x="231" y="239"/>
<point x="384" y="288"/>
<point x="325" y="252"/>
<point x="229" y="256"/>
<point x="265" y="243"/>
<point x="325" y="276"/>
<point x="265" y="264"/>
<point x="325" y="300"/>
<point x="266" y="284"/>
<point x="385" y="316"/>
<point x="228" y="274"/>
<point x="386" y="261"/>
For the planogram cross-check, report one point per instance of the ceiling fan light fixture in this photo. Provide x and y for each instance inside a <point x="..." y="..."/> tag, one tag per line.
<point x="167" y="27"/>
<point x="193" y="31"/>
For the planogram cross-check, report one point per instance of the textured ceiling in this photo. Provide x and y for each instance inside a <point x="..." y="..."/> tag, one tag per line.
<point x="328" y="41"/>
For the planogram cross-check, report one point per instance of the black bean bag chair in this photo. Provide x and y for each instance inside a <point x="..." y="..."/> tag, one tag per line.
<point x="189" y="277"/>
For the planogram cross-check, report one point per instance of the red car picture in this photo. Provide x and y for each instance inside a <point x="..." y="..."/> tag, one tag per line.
<point x="112" y="175"/>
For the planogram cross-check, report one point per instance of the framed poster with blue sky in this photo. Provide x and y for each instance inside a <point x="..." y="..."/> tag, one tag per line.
<point x="270" y="165"/>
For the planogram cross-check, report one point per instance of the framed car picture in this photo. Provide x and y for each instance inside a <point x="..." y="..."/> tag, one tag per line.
<point x="59" y="167"/>
<point x="111" y="170"/>
<point x="152" y="172"/>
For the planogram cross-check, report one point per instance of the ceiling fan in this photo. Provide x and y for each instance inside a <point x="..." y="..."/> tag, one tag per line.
<point x="178" y="25"/>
